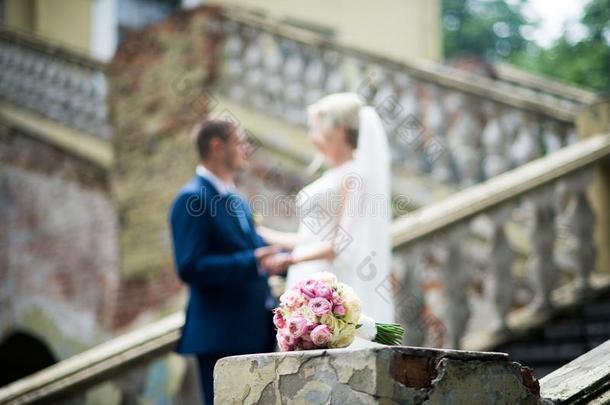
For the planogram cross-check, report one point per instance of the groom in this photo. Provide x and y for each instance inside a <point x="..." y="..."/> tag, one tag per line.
<point x="221" y="258"/>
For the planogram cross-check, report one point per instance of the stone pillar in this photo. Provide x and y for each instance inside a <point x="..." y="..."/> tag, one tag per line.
<point x="374" y="375"/>
<point x="593" y="121"/>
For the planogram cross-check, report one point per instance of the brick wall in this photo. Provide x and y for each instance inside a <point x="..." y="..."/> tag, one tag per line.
<point x="154" y="78"/>
<point x="58" y="252"/>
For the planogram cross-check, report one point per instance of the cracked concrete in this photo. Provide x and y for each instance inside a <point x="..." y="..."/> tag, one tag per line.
<point x="380" y="375"/>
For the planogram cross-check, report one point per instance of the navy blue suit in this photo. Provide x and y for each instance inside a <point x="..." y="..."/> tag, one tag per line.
<point x="229" y="304"/>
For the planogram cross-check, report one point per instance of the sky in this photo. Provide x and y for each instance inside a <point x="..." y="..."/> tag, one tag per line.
<point x="554" y="16"/>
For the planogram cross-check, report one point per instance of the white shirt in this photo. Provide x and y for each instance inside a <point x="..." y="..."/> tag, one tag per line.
<point x="222" y="187"/>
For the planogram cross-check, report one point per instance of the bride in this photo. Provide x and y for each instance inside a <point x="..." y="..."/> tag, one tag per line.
<point x="345" y="214"/>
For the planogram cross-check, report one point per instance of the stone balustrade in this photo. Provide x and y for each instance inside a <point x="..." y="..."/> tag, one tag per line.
<point x="59" y="84"/>
<point x="570" y="95"/>
<point x="470" y="286"/>
<point x="457" y="127"/>
<point x="137" y="366"/>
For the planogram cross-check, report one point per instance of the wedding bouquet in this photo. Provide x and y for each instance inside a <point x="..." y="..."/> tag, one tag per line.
<point x="320" y="313"/>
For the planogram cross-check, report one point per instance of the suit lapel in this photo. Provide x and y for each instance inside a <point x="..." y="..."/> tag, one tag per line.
<point x="247" y="235"/>
<point x="218" y="207"/>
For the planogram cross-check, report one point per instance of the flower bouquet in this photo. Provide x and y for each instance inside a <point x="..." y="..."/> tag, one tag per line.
<point x="321" y="313"/>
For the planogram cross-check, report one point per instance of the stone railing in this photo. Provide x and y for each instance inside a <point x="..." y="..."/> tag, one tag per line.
<point x="458" y="127"/>
<point x="115" y="372"/>
<point x="585" y="380"/>
<point x="450" y="283"/>
<point x="539" y="86"/>
<point x="54" y="82"/>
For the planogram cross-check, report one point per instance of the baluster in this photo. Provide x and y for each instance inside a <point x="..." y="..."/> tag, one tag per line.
<point x="407" y="133"/>
<point x="334" y="82"/>
<point x="294" y="66"/>
<point x="579" y="219"/>
<point x="272" y="86"/>
<point x="552" y="136"/>
<point x="526" y="146"/>
<point x="132" y="382"/>
<point x="435" y="123"/>
<point x="233" y="45"/>
<point x="456" y="279"/>
<point x="252" y="76"/>
<point x="500" y="283"/>
<point x="409" y="300"/>
<point x="494" y="141"/>
<point x="541" y="263"/>
<point x="572" y="136"/>
<point x="462" y="138"/>
<point x="234" y="50"/>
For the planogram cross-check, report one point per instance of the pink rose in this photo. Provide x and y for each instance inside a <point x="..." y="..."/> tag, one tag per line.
<point x="321" y="335"/>
<point x="278" y="320"/>
<point x="321" y="290"/>
<point x="292" y="299"/>
<point x="337" y="299"/>
<point x="339" y="310"/>
<point x="297" y="325"/>
<point x="307" y="335"/>
<point x="307" y="344"/>
<point x="284" y="343"/>
<point x="308" y="288"/>
<point x="320" y="306"/>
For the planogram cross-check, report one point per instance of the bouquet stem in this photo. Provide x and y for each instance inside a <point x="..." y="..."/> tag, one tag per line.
<point x="385" y="333"/>
<point x="389" y="334"/>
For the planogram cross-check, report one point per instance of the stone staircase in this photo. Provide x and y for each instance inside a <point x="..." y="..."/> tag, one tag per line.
<point x="569" y="333"/>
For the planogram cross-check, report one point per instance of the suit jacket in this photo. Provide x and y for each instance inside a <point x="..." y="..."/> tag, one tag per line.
<point x="226" y="310"/>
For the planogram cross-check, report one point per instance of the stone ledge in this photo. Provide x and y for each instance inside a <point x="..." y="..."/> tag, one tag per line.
<point x="376" y="375"/>
<point x="584" y="379"/>
<point x="85" y="146"/>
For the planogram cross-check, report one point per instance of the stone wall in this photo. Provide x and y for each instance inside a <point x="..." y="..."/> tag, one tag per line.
<point x="380" y="375"/>
<point x="58" y="253"/>
<point x="153" y="82"/>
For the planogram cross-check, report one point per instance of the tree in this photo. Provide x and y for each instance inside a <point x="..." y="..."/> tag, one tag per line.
<point x="490" y="29"/>
<point x="585" y="62"/>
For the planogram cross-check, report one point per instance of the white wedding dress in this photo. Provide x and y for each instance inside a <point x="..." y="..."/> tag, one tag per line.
<point x="350" y="205"/>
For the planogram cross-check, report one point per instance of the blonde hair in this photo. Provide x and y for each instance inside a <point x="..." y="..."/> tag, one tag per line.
<point x="339" y="110"/>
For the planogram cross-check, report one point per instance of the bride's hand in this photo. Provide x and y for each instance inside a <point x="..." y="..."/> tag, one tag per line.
<point x="287" y="240"/>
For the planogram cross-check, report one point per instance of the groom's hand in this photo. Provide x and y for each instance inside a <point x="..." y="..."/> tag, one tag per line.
<point x="278" y="263"/>
<point x="263" y="252"/>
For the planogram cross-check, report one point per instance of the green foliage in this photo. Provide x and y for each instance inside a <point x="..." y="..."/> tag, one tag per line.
<point x="494" y="30"/>
<point x="490" y="29"/>
<point x="585" y="62"/>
